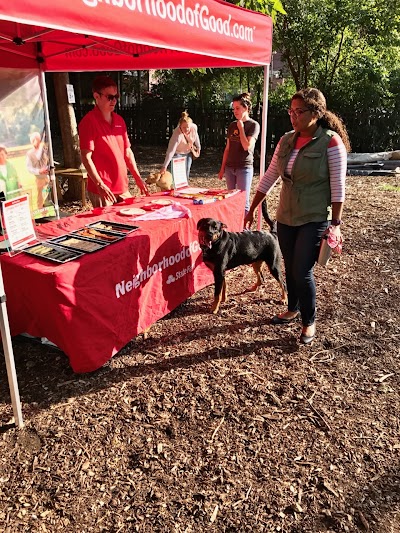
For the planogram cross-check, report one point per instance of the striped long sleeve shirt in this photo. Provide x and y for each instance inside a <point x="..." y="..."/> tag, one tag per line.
<point x="337" y="163"/>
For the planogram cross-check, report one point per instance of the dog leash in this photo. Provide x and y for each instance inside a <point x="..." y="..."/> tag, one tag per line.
<point x="195" y="151"/>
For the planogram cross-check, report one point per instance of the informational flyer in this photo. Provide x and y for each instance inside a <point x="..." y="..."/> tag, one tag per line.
<point x="178" y="165"/>
<point x="18" y="222"/>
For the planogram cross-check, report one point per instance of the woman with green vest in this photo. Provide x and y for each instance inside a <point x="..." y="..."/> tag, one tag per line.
<point x="311" y="160"/>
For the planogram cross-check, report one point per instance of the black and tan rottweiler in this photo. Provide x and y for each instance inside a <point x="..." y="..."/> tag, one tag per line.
<point x="223" y="250"/>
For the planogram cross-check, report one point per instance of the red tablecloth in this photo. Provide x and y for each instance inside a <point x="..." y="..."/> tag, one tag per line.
<point x="93" y="306"/>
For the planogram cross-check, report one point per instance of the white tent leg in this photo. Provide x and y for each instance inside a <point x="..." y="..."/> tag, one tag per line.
<point x="263" y="135"/>
<point x="9" y="356"/>
<point x="49" y="142"/>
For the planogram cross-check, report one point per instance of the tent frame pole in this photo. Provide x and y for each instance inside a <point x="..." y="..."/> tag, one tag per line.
<point x="9" y="357"/>
<point x="53" y="177"/>
<point x="263" y="154"/>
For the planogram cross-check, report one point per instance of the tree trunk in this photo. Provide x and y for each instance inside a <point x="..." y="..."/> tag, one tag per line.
<point x="69" y="132"/>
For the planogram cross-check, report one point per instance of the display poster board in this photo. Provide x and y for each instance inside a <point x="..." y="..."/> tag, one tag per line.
<point x="181" y="186"/>
<point x="17" y="222"/>
<point x="178" y="170"/>
<point x="24" y="158"/>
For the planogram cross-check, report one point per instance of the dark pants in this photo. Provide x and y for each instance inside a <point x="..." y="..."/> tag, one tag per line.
<point x="300" y="248"/>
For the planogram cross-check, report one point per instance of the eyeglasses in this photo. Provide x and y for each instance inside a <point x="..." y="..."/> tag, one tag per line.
<point x="110" y="97"/>
<point x="297" y="112"/>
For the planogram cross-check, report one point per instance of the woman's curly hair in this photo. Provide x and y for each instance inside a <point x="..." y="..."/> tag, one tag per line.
<point x="315" y="101"/>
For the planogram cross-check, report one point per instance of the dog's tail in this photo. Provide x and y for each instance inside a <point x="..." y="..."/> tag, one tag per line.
<point x="271" y="223"/>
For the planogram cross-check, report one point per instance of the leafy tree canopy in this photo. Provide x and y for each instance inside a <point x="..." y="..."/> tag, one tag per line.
<point x="322" y="39"/>
<point x="268" y="7"/>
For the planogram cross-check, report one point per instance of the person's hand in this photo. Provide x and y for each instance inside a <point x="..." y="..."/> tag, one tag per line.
<point x="240" y="125"/>
<point x="163" y="171"/>
<point x="334" y="238"/>
<point x="106" y="193"/>
<point x="337" y="232"/>
<point x="248" y="220"/>
<point x="221" y="174"/>
<point x="143" y="188"/>
<point x="43" y="170"/>
<point x="334" y="231"/>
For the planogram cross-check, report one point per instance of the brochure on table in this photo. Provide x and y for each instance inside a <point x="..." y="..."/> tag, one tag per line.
<point x="197" y="194"/>
<point x="17" y="223"/>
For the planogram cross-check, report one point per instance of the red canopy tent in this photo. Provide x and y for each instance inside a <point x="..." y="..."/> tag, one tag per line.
<point x="96" y="35"/>
<point x="81" y="35"/>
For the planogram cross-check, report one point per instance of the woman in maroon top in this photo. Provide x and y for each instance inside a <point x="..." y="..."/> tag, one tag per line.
<point x="237" y="161"/>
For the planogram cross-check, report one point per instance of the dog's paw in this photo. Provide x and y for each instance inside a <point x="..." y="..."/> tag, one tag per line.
<point x="146" y="333"/>
<point x="215" y="308"/>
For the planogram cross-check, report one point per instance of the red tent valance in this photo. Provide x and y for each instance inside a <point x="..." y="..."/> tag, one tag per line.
<point x="78" y="35"/>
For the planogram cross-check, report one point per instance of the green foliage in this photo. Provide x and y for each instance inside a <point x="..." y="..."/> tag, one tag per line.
<point x="319" y="38"/>
<point x="181" y="87"/>
<point x="279" y="98"/>
<point x="207" y="86"/>
<point x="268" y="7"/>
<point x="351" y="51"/>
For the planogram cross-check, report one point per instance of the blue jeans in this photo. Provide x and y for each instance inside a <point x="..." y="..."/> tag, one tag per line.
<point x="240" y="178"/>
<point x="300" y="249"/>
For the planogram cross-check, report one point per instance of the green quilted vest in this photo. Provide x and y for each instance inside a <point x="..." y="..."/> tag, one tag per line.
<point x="11" y="180"/>
<point x="306" y="194"/>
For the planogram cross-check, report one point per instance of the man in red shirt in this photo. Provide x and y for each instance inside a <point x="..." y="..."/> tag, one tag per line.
<point x="105" y="148"/>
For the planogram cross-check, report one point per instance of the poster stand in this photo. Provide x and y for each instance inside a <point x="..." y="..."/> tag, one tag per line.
<point x="180" y="181"/>
<point x="18" y="226"/>
<point x="178" y="171"/>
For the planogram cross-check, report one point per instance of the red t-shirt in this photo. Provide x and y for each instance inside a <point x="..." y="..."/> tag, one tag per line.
<point x="108" y="142"/>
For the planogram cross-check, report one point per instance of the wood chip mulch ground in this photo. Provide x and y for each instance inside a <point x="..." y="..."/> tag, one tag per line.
<point x="225" y="423"/>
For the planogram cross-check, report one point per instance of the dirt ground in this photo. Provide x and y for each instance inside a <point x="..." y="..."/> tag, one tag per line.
<point x="226" y="423"/>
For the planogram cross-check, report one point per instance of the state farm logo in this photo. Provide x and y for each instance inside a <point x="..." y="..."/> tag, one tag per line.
<point x="179" y="275"/>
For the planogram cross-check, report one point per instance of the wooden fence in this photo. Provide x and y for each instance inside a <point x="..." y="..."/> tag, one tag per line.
<point x="152" y="123"/>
